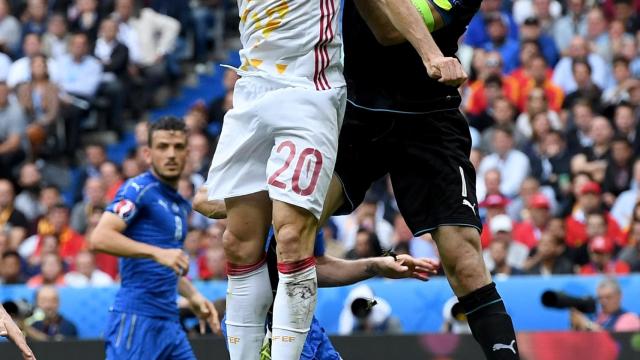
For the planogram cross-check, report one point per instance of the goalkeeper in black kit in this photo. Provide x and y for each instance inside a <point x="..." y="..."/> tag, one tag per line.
<point x="403" y="119"/>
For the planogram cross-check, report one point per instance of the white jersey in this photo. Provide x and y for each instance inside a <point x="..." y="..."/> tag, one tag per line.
<point x="292" y="41"/>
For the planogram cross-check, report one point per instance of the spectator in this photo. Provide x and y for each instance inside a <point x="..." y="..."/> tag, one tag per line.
<point x="211" y="264"/>
<point x="78" y="75"/>
<point x="114" y="57"/>
<point x="150" y="37"/>
<point x="361" y="319"/>
<point x="611" y="317"/>
<point x="10" y="29"/>
<point x="593" y="159"/>
<point x="20" y="71"/>
<point x="95" y="155"/>
<point x="87" y="19"/>
<point x="94" y="196"/>
<point x="11" y="220"/>
<point x="518" y="209"/>
<point x="631" y="252"/>
<point x="498" y="251"/>
<point x="511" y="254"/>
<point x="53" y="323"/>
<point x="618" y="173"/>
<point x="502" y="114"/>
<point x="51" y="272"/>
<point x="548" y="258"/>
<point x="538" y="76"/>
<point x="56" y="40"/>
<point x="551" y="164"/>
<point x="11" y="269"/>
<point x="497" y="29"/>
<point x="536" y="103"/>
<point x="625" y="12"/>
<point x="602" y="260"/>
<point x="579" y="49"/>
<point x="12" y="130"/>
<point x="110" y="173"/>
<point x="131" y="168"/>
<point x="512" y="164"/>
<point x="623" y="208"/>
<point x="626" y="124"/>
<point x="578" y="132"/>
<point x="588" y="202"/>
<point x="477" y="34"/>
<point x="365" y="216"/>
<point x="586" y="89"/>
<point x="618" y="92"/>
<point x="39" y="99"/>
<point x="530" y="30"/>
<point x="57" y="224"/>
<point x="597" y="33"/>
<point x="546" y="11"/>
<point x="191" y="247"/>
<point x="573" y="24"/>
<point x="366" y="245"/>
<point x="30" y="181"/>
<point x="86" y="273"/>
<point x="34" y="19"/>
<point x="495" y="205"/>
<point x="529" y="231"/>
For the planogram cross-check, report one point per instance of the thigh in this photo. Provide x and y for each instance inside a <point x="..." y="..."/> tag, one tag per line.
<point x="181" y="349"/>
<point x="363" y="154"/>
<point x="434" y="181"/>
<point x="306" y="130"/>
<point x="240" y="161"/>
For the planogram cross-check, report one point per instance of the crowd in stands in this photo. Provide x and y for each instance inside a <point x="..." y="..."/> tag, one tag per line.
<point x="552" y="102"/>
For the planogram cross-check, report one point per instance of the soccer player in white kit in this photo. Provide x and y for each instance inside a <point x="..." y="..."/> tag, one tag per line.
<point x="276" y="156"/>
<point x="274" y="163"/>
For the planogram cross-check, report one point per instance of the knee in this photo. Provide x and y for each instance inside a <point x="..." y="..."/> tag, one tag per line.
<point x="289" y="238"/>
<point x="232" y="247"/>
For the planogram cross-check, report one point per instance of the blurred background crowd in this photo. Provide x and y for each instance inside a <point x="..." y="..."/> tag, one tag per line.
<point x="552" y="102"/>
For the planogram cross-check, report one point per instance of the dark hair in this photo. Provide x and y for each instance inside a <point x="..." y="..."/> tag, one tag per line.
<point x="11" y="253"/>
<point x="373" y="240"/>
<point x="493" y="79"/>
<point x="506" y="129"/>
<point x="620" y="59"/>
<point x="581" y="61"/>
<point x="625" y="104"/>
<point x="621" y="139"/>
<point x="170" y="123"/>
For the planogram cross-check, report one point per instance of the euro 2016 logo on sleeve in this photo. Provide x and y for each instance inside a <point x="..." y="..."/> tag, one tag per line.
<point x="125" y="209"/>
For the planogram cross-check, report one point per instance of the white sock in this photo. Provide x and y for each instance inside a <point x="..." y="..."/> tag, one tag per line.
<point x="249" y="298"/>
<point x="293" y="311"/>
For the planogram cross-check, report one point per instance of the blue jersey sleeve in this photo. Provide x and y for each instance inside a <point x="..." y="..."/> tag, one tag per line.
<point x="318" y="248"/>
<point x="128" y="201"/>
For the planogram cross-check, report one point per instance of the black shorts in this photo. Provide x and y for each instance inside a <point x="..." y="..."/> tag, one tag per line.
<point x="426" y="156"/>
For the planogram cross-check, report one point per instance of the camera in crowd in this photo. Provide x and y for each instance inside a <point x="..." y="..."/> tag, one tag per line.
<point x="21" y="309"/>
<point x="560" y="300"/>
<point x="361" y="307"/>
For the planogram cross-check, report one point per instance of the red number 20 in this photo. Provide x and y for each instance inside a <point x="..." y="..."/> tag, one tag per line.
<point x="295" y="181"/>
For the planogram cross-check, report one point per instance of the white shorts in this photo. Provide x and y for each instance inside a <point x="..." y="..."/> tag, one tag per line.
<point x="279" y="139"/>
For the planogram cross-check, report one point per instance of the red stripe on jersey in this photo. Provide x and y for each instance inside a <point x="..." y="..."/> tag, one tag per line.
<point x="328" y="40"/>
<point x="321" y="48"/>
<point x="316" y="50"/>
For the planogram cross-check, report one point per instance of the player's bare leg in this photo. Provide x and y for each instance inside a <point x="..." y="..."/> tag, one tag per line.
<point x="333" y="201"/>
<point x="295" y="301"/>
<point x="461" y="256"/>
<point x="249" y="293"/>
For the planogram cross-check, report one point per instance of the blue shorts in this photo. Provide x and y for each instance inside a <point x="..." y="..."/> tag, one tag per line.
<point x="317" y="347"/>
<point x="133" y="336"/>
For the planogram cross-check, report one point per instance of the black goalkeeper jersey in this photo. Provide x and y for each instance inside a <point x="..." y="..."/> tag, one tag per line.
<point x="394" y="77"/>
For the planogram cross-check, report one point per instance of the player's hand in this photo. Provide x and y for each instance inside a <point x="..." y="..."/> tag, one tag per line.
<point x="206" y="313"/>
<point x="175" y="259"/>
<point x="447" y="70"/>
<point x="10" y="330"/>
<point x="406" y="266"/>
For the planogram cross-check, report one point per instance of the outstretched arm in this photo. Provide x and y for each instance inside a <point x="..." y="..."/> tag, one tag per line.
<point x="334" y="272"/>
<point x="213" y="209"/>
<point x="108" y="238"/>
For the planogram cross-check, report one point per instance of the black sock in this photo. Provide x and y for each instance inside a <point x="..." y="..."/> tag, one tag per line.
<point x="490" y="324"/>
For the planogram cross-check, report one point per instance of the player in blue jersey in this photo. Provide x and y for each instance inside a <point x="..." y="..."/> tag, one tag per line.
<point x="146" y="225"/>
